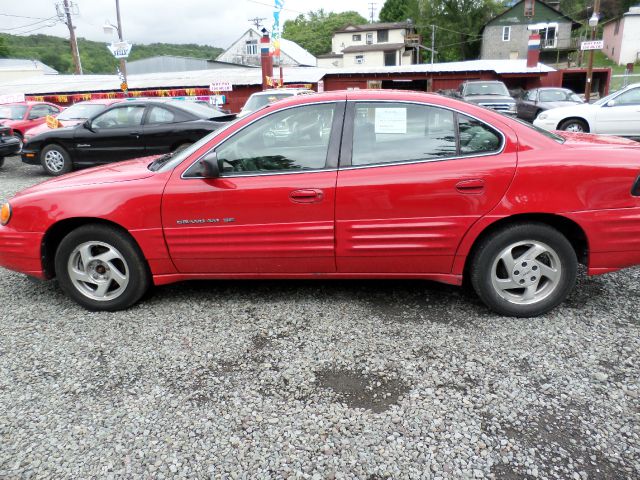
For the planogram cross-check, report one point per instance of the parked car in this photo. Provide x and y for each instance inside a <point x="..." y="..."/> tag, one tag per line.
<point x="260" y="99"/>
<point x="542" y="99"/>
<point x="123" y="131"/>
<point x="357" y="184"/>
<point x="492" y="94"/>
<point x="75" y="114"/>
<point x="22" y="116"/>
<point x="615" y="114"/>
<point x="9" y="144"/>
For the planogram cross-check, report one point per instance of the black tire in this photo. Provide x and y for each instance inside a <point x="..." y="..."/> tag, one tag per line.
<point x="574" y="125"/>
<point x="550" y="293"/>
<point x="1" y="161"/>
<point x="19" y="136"/>
<point x="55" y="160"/>
<point x="129" y="263"/>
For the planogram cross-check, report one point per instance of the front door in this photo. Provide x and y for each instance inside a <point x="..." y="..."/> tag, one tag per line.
<point x="114" y="135"/>
<point x="272" y="209"/>
<point x="419" y="177"/>
<point x="620" y="116"/>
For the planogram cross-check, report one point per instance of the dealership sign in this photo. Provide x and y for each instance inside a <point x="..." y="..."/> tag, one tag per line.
<point x="120" y="49"/>
<point x="221" y="87"/>
<point x="592" y="45"/>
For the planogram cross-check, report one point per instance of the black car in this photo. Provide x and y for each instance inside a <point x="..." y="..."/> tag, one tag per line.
<point x="9" y="145"/>
<point x="540" y="99"/>
<point x="125" y="130"/>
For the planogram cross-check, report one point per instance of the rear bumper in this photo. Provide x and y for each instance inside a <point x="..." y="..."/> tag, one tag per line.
<point x="30" y="157"/>
<point x="20" y="251"/>
<point x="9" y="146"/>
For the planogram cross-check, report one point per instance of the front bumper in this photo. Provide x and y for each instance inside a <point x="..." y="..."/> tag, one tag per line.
<point x="21" y="251"/>
<point x="30" y="156"/>
<point x="9" y="146"/>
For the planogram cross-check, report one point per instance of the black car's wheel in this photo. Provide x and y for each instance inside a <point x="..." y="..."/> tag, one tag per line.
<point x="101" y="268"/>
<point x="574" y="125"/>
<point x="18" y="135"/>
<point x="524" y="270"/>
<point x="55" y="160"/>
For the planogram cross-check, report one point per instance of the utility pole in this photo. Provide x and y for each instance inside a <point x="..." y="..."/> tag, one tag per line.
<point x="433" y="41"/>
<point x="593" y="23"/>
<point x="372" y="9"/>
<point x="123" y="61"/>
<point x="65" y="14"/>
<point x="257" y="21"/>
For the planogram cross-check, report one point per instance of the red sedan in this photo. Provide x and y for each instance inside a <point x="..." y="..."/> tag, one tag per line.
<point x="358" y="184"/>
<point x="22" y="116"/>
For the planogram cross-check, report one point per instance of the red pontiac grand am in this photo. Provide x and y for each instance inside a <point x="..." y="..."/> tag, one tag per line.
<point x="358" y="184"/>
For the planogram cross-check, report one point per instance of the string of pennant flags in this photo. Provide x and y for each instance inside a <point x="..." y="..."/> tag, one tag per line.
<point x="78" y="97"/>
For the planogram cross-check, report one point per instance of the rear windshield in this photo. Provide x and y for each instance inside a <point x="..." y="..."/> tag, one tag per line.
<point x="200" y="111"/>
<point x="81" y="111"/>
<point x="13" y="112"/>
<point x="559" y="96"/>
<point x="259" y="101"/>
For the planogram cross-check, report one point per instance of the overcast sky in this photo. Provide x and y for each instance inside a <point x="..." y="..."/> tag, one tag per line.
<point x="205" y="22"/>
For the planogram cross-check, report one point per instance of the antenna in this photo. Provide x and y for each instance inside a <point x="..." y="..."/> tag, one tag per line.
<point x="257" y="21"/>
<point x="372" y="9"/>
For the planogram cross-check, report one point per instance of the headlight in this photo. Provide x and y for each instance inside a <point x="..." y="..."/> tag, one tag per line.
<point x="5" y="213"/>
<point x="542" y="116"/>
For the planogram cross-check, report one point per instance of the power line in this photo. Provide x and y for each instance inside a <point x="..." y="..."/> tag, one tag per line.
<point x="21" y="16"/>
<point x="36" y="29"/>
<point x="27" y="25"/>
<point x="372" y="10"/>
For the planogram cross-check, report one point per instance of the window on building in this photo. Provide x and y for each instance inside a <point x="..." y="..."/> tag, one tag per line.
<point x="383" y="36"/>
<point x="356" y="38"/>
<point x="548" y="37"/>
<point x="251" y="47"/>
<point x="359" y="59"/>
<point x="617" y="27"/>
<point x="369" y="38"/>
<point x="389" y="59"/>
<point x="529" y="8"/>
<point x="506" y="34"/>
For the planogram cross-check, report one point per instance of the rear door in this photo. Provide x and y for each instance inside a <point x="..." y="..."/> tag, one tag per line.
<point x="413" y="178"/>
<point x="272" y="210"/>
<point x="622" y="117"/>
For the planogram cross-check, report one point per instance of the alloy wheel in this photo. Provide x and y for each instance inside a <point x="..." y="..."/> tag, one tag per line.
<point x="54" y="160"/>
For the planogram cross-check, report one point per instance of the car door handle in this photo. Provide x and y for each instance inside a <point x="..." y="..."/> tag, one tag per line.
<point x="474" y="185"/>
<point x="307" y="195"/>
<point x="135" y="134"/>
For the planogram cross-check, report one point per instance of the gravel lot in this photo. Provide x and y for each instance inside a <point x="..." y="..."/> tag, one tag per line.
<point x="321" y="380"/>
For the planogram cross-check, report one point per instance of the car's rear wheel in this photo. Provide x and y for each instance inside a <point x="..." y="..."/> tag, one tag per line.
<point x="575" y="125"/>
<point x="55" y="160"/>
<point x="524" y="270"/>
<point x="101" y="268"/>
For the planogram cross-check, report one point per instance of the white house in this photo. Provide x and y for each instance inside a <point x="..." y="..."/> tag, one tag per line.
<point x="246" y="51"/>
<point x="622" y="37"/>
<point x="373" y="44"/>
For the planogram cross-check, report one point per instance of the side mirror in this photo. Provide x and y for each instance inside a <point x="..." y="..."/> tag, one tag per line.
<point x="87" y="125"/>
<point x="611" y="103"/>
<point x="209" y="167"/>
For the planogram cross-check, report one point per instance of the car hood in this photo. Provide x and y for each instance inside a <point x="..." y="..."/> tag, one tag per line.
<point x="489" y="99"/>
<point x="111" y="173"/>
<point x="45" y="128"/>
<point x="550" y="105"/>
<point x="605" y="141"/>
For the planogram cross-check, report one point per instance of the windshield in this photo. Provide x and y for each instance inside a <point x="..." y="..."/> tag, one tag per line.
<point x="13" y="112"/>
<point x="81" y="111"/>
<point x="259" y="101"/>
<point x="486" y="89"/>
<point x="559" y="96"/>
<point x="542" y="131"/>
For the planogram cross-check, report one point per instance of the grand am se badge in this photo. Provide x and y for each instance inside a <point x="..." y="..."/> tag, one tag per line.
<point x="205" y="220"/>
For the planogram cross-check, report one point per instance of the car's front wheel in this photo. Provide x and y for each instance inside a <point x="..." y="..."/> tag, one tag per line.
<point x="574" y="125"/>
<point x="524" y="270"/>
<point x="55" y="160"/>
<point x="101" y="268"/>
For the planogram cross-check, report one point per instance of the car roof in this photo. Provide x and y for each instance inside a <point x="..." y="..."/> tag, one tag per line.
<point x="282" y="90"/>
<point x="29" y="103"/>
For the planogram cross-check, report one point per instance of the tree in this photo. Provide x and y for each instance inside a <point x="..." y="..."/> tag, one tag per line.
<point x="395" y="10"/>
<point x="4" y="50"/>
<point x="314" y="30"/>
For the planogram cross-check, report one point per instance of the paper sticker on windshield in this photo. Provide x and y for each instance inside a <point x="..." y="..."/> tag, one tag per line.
<point x="391" y="120"/>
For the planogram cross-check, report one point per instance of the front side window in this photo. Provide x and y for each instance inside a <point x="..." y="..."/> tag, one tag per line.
<point x="632" y="97"/>
<point x="531" y="96"/>
<point x="292" y="140"/>
<point x="506" y="34"/>
<point x="397" y="132"/>
<point x="39" y="111"/>
<point x="120" y="117"/>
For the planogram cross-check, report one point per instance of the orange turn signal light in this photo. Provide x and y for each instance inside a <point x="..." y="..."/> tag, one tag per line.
<point x="5" y="213"/>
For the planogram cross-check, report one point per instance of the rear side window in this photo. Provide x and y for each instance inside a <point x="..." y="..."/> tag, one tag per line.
<point x="396" y="132"/>
<point x="477" y="137"/>
<point x="160" y="115"/>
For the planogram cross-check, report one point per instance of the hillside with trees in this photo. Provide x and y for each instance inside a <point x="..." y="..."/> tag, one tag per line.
<point x="95" y="57"/>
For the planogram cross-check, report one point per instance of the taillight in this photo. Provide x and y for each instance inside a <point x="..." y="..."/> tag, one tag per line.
<point x="635" y="189"/>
